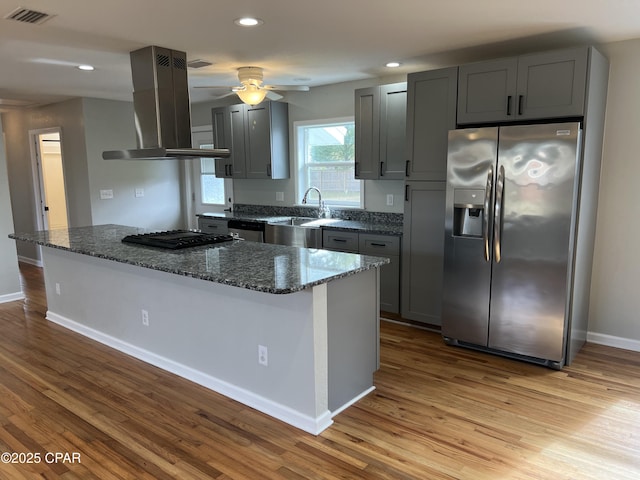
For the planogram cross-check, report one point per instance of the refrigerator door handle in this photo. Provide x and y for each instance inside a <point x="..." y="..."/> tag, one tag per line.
<point x="485" y="214"/>
<point x="497" y="217"/>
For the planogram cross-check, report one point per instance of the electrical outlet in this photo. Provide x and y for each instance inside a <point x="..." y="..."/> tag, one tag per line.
<point x="390" y="199"/>
<point x="57" y="288"/>
<point x="279" y="196"/>
<point x="106" y="194"/>
<point x="263" y="355"/>
<point x="139" y="192"/>
<point x="145" y="318"/>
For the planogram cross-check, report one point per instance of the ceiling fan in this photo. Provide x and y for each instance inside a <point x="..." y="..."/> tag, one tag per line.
<point x="251" y="89"/>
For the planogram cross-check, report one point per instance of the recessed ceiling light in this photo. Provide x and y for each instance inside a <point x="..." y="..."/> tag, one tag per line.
<point x="248" y="21"/>
<point x="393" y="64"/>
<point x="86" y="68"/>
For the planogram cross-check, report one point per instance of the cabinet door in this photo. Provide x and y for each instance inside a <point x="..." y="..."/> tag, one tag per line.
<point x="431" y="113"/>
<point x="258" y="131"/>
<point x="221" y="139"/>
<point x="487" y="91"/>
<point x="385" y="246"/>
<point x="423" y="251"/>
<point x="393" y="131"/>
<point x="367" y="131"/>
<point x="237" y="140"/>
<point x="552" y="84"/>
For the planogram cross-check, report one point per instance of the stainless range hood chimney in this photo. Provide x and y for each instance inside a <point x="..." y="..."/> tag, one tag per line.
<point x="162" y="108"/>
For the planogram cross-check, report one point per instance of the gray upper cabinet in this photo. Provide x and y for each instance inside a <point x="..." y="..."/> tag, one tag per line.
<point x="258" y="137"/>
<point x="529" y="87"/>
<point x="431" y="113"/>
<point x="380" y="119"/>
<point x="229" y="132"/>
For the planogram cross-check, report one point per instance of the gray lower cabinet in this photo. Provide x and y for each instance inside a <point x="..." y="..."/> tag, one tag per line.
<point x="431" y="113"/>
<point x="529" y="87"/>
<point x="423" y="252"/>
<point x="385" y="246"/>
<point x="340" y="241"/>
<point x="377" y="245"/>
<point x="213" y="225"/>
<point x="380" y="132"/>
<point x="258" y="137"/>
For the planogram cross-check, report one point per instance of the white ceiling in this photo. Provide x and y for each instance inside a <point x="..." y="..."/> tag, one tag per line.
<point x="301" y="41"/>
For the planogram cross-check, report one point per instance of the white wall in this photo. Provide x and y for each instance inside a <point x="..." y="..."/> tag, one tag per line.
<point x="616" y="272"/>
<point x="9" y="276"/>
<point x="330" y="101"/>
<point x="109" y="125"/>
<point x="17" y="124"/>
<point x="90" y="126"/>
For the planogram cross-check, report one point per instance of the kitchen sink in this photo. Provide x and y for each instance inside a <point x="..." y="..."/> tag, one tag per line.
<point x="297" y="231"/>
<point x="306" y="221"/>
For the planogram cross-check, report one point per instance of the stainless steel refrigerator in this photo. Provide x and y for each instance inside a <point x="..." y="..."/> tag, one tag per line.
<point x="511" y="242"/>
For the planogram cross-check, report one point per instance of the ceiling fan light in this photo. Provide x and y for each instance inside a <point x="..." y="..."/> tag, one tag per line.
<point x="251" y="95"/>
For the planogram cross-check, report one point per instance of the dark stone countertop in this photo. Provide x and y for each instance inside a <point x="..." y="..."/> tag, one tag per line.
<point x="262" y="267"/>
<point x="373" y="227"/>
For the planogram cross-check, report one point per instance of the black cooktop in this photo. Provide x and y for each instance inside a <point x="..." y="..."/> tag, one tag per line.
<point x="175" y="239"/>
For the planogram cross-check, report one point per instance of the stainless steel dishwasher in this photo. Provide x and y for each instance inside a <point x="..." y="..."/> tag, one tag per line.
<point x="247" y="230"/>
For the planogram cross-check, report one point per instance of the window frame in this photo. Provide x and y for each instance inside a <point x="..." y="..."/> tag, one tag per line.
<point x="301" y="186"/>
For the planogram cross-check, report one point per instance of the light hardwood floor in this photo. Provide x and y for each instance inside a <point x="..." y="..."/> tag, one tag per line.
<point x="438" y="412"/>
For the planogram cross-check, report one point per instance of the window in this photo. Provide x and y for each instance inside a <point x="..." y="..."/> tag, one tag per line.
<point x="326" y="159"/>
<point x="211" y="187"/>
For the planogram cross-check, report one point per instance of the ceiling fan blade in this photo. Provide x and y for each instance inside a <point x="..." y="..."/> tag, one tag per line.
<point x="223" y="95"/>
<point x="271" y="95"/>
<point x="287" y="88"/>
<point x="213" y="86"/>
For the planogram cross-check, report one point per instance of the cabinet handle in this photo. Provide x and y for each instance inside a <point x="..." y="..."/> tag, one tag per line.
<point x="373" y="244"/>
<point x="520" y="102"/>
<point x="339" y="240"/>
<point x="268" y="170"/>
<point x="406" y="168"/>
<point x="509" y="105"/>
<point x="382" y="169"/>
<point x="226" y="169"/>
<point x="406" y="193"/>
<point x="355" y="170"/>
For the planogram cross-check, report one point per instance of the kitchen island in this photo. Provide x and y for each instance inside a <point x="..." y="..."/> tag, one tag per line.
<point x="292" y="332"/>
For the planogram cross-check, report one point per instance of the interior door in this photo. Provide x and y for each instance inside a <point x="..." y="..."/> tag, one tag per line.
<point x="51" y="193"/>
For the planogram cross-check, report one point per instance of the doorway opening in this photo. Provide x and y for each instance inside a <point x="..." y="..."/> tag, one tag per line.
<point x="49" y="183"/>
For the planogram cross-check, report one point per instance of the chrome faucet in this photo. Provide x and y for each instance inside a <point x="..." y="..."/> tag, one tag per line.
<point x="323" y="210"/>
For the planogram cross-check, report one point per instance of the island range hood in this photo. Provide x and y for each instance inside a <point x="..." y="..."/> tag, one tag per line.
<point x="162" y="109"/>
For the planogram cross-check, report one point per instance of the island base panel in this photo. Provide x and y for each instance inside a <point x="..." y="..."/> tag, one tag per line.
<point x="209" y="333"/>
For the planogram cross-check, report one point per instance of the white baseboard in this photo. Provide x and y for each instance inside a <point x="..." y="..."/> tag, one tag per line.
<point x="304" y="422"/>
<point x="611" y="341"/>
<point x="11" y="297"/>
<point x="30" y="261"/>
<point x="352" y="401"/>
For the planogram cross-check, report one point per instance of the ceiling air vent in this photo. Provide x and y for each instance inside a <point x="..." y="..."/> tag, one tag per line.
<point x="198" y="63"/>
<point x="26" y="15"/>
